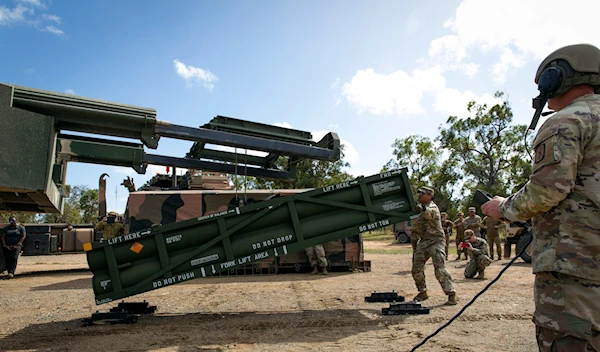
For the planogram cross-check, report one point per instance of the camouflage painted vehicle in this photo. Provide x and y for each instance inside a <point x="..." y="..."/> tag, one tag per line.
<point x="403" y="231"/>
<point x="148" y="208"/>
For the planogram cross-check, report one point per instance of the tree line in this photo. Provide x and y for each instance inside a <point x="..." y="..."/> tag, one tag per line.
<point x="81" y="207"/>
<point x="483" y="150"/>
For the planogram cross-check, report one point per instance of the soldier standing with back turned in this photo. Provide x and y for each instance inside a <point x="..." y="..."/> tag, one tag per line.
<point x="493" y="236"/>
<point x="431" y="245"/>
<point x="459" y="225"/>
<point x="563" y="199"/>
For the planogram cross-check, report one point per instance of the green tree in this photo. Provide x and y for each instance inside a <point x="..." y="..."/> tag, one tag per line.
<point x="80" y="207"/>
<point x="88" y="204"/>
<point x="22" y="218"/>
<point x="426" y="167"/>
<point x="488" y="150"/>
<point x="419" y="155"/>
<point x="309" y="174"/>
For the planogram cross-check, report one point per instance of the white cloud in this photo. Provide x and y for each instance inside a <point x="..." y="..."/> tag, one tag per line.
<point x="35" y="3"/>
<point x="282" y="124"/>
<point x="393" y="94"/>
<point x="25" y="13"/>
<point x="13" y="16"/>
<point x="70" y="91"/>
<point x="54" y="30"/>
<point x="381" y="94"/>
<point x="507" y="61"/>
<point x="51" y="18"/>
<point x="196" y="75"/>
<point x="531" y="35"/>
<point x="450" y="101"/>
<point x="29" y="71"/>
<point x="334" y="125"/>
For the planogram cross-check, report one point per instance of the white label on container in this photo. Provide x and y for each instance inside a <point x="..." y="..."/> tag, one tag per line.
<point x="384" y="187"/>
<point x="208" y="258"/>
<point x="391" y="205"/>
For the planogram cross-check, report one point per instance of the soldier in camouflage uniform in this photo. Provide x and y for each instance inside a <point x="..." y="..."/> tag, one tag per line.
<point x="563" y="199"/>
<point x="447" y="226"/>
<point x="460" y="234"/>
<point x="316" y="256"/>
<point x="110" y="227"/>
<point x="493" y="237"/>
<point x="478" y="248"/>
<point x="430" y="245"/>
<point x="473" y="222"/>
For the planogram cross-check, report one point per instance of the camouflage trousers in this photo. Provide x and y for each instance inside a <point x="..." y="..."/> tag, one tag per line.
<point x="433" y="249"/>
<point x="459" y="239"/>
<point x="447" y="235"/>
<point x="567" y="313"/>
<point x="316" y="255"/>
<point x="476" y="265"/>
<point x="494" y="240"/>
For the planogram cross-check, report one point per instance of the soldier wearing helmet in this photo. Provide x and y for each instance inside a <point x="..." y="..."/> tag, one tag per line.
<point x="110" y="226"/>
<point x="563" y="199"/>
<point x="431" y="244"/>
<point x="459" y="225"/>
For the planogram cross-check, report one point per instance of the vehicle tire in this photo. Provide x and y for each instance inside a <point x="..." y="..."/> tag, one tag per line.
<point x="526" y="256"/>
<point x="403" y="238"/>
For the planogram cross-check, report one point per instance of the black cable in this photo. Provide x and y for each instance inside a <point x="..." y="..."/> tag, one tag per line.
<point x="476" y="296"/>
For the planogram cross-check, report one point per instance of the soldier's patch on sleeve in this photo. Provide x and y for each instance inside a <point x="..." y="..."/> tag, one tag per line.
<point x="545" y="151"/>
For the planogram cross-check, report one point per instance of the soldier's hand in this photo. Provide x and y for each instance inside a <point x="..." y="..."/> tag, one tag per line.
<point x="492" y="207"/>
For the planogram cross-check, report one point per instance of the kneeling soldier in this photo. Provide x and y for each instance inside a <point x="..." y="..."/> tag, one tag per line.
<point x="478" y="250"/>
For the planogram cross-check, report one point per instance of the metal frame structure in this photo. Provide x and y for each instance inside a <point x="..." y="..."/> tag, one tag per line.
<point x="56" y="113"/>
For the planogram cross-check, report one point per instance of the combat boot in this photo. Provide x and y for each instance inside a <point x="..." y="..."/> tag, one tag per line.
<point x="315" y="270"/>
<point x="421" y="297"/>
<point x="325" y="272"/>
<point x="481" y="275"/>
<point x="452" y="300"/>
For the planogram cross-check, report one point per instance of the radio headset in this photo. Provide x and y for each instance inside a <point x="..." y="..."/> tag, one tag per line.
<point x="551" y="81"/>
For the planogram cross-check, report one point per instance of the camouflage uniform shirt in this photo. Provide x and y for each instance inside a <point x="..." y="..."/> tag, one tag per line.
<point x="110" y="230"/>
<point x="563" y="193"/>
<point x="562" y="198"/>
<point x="447" y="225"/>
<point x="490" y="225"/>
<point x="428" y="225"/>
<point x="480" y="247"/>
<point x="460" y="228"/>
<point x="473" y="223"/>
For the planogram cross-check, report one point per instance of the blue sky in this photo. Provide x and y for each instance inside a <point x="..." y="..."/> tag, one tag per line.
<point x="372" y="71"/>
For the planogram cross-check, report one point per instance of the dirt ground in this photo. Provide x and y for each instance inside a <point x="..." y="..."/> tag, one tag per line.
<point x="42" y="308"/>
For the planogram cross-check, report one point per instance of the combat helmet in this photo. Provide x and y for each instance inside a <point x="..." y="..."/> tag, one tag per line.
<point x="569" y="66"/>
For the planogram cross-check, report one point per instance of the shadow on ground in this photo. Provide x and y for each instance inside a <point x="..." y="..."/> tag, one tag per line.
<point x="153" y="332"/>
